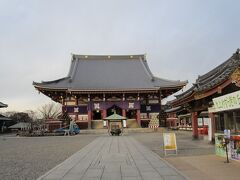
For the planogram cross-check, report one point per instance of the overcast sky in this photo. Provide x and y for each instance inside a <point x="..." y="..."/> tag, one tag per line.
<point x="182" y="39"/>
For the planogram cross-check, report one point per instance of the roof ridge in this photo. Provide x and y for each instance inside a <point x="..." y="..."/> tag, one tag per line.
<point x="106" y="57"/>
<point x="73" y="70"/>
<point x="146" y="68"/>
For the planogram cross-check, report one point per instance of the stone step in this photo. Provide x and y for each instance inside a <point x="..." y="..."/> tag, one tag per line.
<point x="126" y="130"/>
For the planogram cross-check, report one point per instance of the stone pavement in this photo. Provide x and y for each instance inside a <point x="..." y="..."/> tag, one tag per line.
<point x="114" y="158"/>
<point x="206" y="167"/>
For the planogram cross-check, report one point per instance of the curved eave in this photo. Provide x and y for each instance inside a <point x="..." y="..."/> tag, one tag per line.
<point x="170" y="84"/>
<point x="3" y="105"/>
<point x="173" y="86"/>
<point x="183" y="100"/>
<point x="213" y="90"/>
<point x="45" y="88"/>
<point x="175" y="109"/>
<point x="51" y="82"/>
<point x="196" y="95"/>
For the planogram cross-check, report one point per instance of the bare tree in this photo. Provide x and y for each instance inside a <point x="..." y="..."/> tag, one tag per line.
<point x="36" y="121"/>
<point x="20" y="117"/>
<point x="50" y="111"/>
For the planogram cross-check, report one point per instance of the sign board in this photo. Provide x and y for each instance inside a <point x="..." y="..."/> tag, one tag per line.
<point x="169" y="142"/>
<point x="227" y="102"/>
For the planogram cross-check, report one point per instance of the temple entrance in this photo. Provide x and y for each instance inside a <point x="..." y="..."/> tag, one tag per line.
<point x="97" y="115"/>
<point x="131" y="114"/>
<point x="115" y="108"/>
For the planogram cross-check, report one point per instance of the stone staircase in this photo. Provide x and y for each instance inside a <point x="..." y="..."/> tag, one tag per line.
<point x="132" y="123"/>
<point x="125" y="131"/>
<point x="98" y="124"/>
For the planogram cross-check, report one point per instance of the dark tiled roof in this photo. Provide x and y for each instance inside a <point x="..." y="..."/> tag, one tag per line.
<point x="175" y="109"/>
<point x="110" y="73"/>
<point x="115" y="117"/>
<point x="3" y="105"/>
<point x="3" y="118"/>
<point x="186" y="93"/>
<point x="19" y="125"/>
<point x="214" y="77"/>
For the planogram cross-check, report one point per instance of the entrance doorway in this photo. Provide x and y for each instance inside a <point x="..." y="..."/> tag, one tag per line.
<point x="115" y="108"/>
<point x="131" y="114"/>
<point x="97" y="115"/>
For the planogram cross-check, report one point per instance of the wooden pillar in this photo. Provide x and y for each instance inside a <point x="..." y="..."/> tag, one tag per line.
<point x="138" y="117"/>
<point x="160" y="104"/>
<point x="89" y="113"/>
<point x="124" y="112"/>
<point x="195" y="125"/>
<point x="89" y="119"/>
<point x="147" y="103"/>
<point x="226" y="121"/>
<point x="213" y="125"/>
<point x="76" y="103"/>
<point x="63" y="101"/>
<point x="235" y="121"/>
<point x="175" y="119"/>
<point x="104" y="113"/>
<point x="76" y="116"/>
<point x="124" y="115"/>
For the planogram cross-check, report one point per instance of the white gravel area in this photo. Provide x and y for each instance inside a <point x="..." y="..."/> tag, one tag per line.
<point x="27" y="158"/>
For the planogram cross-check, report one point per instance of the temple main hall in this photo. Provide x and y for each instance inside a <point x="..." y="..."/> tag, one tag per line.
<point x="99" y="85"/>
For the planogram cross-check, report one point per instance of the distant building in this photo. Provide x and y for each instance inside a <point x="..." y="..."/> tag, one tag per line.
<point x="20" y="126"/>
<point x="4" y="121"/>
<point x="97" y="85"/>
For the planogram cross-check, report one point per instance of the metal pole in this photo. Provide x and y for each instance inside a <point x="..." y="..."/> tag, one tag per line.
<point x="226" y="144"/>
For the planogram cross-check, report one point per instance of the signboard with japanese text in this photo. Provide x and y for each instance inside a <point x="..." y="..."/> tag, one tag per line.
<point x="227" y="102"/>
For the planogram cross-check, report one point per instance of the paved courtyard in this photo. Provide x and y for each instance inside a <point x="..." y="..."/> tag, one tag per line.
<point x="132" y="156"/>
<point x="118" y="158"/>
<point x="185" y="145"/>
<point x="27" y="158"/>
<point x="196" y="159"/>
